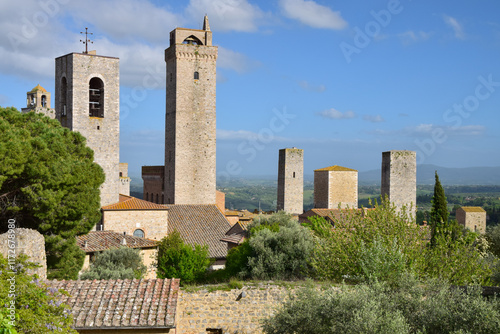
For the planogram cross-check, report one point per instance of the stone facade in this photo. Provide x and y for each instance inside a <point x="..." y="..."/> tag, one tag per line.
<point x="221" y="201"/>
<point x="153" y="178"/>
<point x="87" y="101"/>
<point x="399" y="178"/>
<point x="124" y="179"/>
<point x="153" y="223"/>
<point x="291" y="180"/>
<point x="473" y="218"/>
<point x="38" y="100"/>
<point x="334" y="186"/>
<point x="235" y="311"/>
<point x="29" y="242"/>
<point x="190" y="140"/>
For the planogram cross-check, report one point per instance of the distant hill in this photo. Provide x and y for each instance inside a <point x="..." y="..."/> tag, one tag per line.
<point x="448" y="176"/>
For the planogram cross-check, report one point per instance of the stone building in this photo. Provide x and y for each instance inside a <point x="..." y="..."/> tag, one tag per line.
<point x="335" y="186"/>
<point x="38" y="100"/>
<point x="189" y="175"/>
<point x="87" y="101"/>
<point x="124" y="179"/>
<point x="472" y="217"/>
<point x="291" y="180"/>
<point x="399" y="178"/>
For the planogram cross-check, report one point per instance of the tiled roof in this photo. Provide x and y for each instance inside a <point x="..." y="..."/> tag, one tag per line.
<point x="133" y="203"/>
<point x="37" y="88"/>
<point x="236" y="234"/>
<point x="201" y="224"/>
<point x="472" y="209"/>
<point x="102" y="240"/>
<point x="336" y="169"/>
<point x="132" y="304"/>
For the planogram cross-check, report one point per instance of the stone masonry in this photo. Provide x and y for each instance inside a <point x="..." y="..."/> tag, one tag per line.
<point x="399" y="178"/>
<point x="234" y="311"/>
<point x="473" y="218"/>
<point x="29" y="242"/>
<point x="190" y="117"/>
<point x="153" y="177"/>
<point x="38" y="100"/>
<point x="73" y="104"/>
<point x="124" y="179"/>
<point x="334" y="186"/>
<point x="291" y="180"/>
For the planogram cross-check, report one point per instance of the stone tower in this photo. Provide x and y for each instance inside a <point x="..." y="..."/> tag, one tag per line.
<point x="291" y="180"/>
<point x="334" y="186"/>
<point x="190" y="117"/>
<point x="38" y="100"/>
<point x="399" y="178"/>
<point x="87" y="101"/>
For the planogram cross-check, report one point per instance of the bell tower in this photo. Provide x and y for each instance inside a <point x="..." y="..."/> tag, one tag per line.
<point x="190" y="117"/>
<point x="87" y="100"/>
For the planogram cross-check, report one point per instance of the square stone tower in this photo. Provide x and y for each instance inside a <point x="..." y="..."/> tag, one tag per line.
<point x="334" y="186"/>
<point x="473" y="218"/>
<point x="291" y="180"/>
<point x="399" y="178"/>
<point x="190" y="117"/>
<point x="87" y="100"/>
<point x="38" y="100"/>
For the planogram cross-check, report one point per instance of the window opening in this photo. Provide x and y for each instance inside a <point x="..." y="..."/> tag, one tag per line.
<point x="139" y="233"/>
<point x="96" y="98"/>
<point x="196" y="76"/>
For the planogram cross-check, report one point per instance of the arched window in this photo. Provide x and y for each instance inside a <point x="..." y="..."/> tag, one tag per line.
<point x="121" y="174"/>
<point x="96" y="98"/>
<point x="192" y="40"/>
<point x="139" y="233"/>
<point x="196" y="76"/>
<point x="44" y="101"/>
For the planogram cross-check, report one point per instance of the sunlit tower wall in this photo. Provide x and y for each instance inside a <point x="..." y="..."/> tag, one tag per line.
<point x="291" y="180"/>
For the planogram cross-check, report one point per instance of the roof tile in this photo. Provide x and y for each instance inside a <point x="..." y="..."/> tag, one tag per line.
<point x="133" y="203"/>
<point x="102" y="240"/>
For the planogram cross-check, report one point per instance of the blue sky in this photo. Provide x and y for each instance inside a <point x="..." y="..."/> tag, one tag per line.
<point x="344" y="80"/>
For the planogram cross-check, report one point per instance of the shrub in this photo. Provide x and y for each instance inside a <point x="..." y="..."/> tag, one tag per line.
<point x="116" y="263"/>
<point x="178" y="260"/>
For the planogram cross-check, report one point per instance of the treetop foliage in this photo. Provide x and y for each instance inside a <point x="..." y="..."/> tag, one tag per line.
<point x="116" y="263"/>
<point x="48" y="182"/>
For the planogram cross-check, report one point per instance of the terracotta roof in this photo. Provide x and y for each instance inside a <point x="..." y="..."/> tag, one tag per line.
<point x="236" y="234"/>
<point x="336" y="169"/>
<point x="133" y="203"/>
<point x="132" y="304"/>
<point x="102" y="240"/>
<point x="201" y="224"/>
<point x="472" y="209"/>
<point x="37" y="88"/>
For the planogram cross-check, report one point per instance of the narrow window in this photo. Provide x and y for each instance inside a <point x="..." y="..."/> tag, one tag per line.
<point x="196" y="76"/>
<point x="139" y="233"/>
<point x="44" y="101"/>
<point x="147" y="196"/>
<point x="294" y="175"/>
<point x="121" y="174"/>
<point x="64" y="92"/>
<point x="96" y="98"/>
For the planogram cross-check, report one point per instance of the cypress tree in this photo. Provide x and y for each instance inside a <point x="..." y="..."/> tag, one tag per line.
<point x="439" y="210"/>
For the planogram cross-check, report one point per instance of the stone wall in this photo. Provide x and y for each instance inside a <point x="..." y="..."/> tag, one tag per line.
<point x="399" y="178"/>
<point x="190" y="129"/>
<point x="473" y="218"/>
<point x="343" y="189"/>
<point x="229" y="311"/>
<point x="102" y="133"/>
<point x="153" y="183"/>
<point x="29" y="242"/>
<point x="291" y="180"/>
<point x="321" y="192"/>
<point x="221" y="201"/>
<point x="154" y="223"/>
<point x="124" y="179"/>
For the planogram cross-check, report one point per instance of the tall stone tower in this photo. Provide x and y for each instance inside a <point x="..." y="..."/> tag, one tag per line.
<point x="336" y="186"/>
<point x="190" y="117"/>
<point x="87" y="100"/>
<point x="399" y="178"/>
<point x="38" y="100"/>
<point x="291" y="180"/>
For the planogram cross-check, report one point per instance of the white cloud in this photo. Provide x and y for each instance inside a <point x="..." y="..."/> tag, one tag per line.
<point x="243" y="135"/>
<point x="335" y="114"/>
<point x="373" y="118"/>
<point x="235" y="61"/>
<point x="312" y="14"/>
<point x="311" y="87"/>
<point x="455" y="25"/>
<point x="411" y="36"/>
<point x="226" y="15"/>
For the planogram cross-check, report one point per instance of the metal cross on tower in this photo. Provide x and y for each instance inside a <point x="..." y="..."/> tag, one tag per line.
<point x="87" y="40"/>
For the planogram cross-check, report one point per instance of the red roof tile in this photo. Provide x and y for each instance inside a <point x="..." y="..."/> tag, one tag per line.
<point x="132" y="304"/>
<point x="133" y="203"/>
<point x="102" y="240"/>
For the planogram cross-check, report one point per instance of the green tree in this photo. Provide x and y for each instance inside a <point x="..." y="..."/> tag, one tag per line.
<point x="116" y="263"/>
<point x="37" y="306"/>
<point x="48" y="182"/>
<point x="439" y="210"/>
<point x="178" y="260"/>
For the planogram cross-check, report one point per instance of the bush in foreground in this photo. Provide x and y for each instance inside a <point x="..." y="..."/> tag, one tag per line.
<point x="116" y="263"/>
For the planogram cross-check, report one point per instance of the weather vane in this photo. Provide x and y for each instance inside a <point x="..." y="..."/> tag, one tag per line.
<point x="87" y="40"/>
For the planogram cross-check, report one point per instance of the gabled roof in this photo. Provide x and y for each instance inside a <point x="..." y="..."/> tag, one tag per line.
<point x="472" y="209"/>
<point x="200" y="224"/>
<point x="133" y="203"/>
<point x="132" y="304"/>
<point x="336" y="169"/>
<point x="102" y="240"/>
<point x="236" y="234"/>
